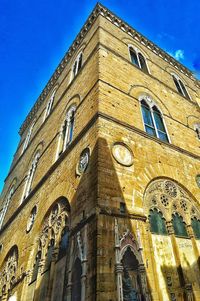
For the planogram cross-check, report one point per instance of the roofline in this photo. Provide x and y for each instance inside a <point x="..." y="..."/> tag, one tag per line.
<point x="99" y="9"/>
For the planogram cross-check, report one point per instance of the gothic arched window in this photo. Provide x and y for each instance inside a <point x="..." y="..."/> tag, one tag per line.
<point x="180" y="86"/>
<point x="179" y="225"/>
<point x="66" y="134"/>
<point x="157" y="222"/>
<point x="77" y="65"/>
<point x="49" y="105"/>
<point x="6" y="204"/>
<point x="138" y="59"/>
<point x="195" y="223"/>
<point x="76" y="280"/>
<point x="29" y="179"/>
<point x="28" y="137"/>
<point x="153" y="121"/>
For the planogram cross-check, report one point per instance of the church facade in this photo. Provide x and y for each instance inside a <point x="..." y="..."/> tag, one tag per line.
<point x="102" y="198"/>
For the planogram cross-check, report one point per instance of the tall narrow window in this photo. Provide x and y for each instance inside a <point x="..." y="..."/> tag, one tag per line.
<point x="179" y="225"/>
<point x="29" y="179"/>
<point x="49" y="105"/>
<point x="77" y="65"/>
<point x="28" y="137"/>
<point x="138" y="59"/>
<point x="153" y="121"/>
<point x="180" y="86"/>
<point x="6" y="204"/>
<point x="157" y="222"/>
<point x="66" y="134"/>
<point x="195" y="223"/>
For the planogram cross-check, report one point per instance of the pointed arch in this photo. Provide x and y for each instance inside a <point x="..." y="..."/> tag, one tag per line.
<point x="153" y="119"/>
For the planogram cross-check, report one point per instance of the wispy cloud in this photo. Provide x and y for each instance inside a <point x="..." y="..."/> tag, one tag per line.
<point x="178" y="54"/>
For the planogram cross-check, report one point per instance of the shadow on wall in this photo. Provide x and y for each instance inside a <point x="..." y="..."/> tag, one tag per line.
<point x="91" y="266"/>
<point x="182" y="283"/>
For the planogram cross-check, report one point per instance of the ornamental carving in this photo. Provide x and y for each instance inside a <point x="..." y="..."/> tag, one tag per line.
<point x="171" y="189"/>
<point x="8" y="271"/>
<point x="122" y="154"/>
<point x="83" y="161"/>
<point x="169" y="197"/>
<point x="54" y="222"/>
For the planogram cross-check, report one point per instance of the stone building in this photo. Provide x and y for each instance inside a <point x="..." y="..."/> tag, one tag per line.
<point x="102" y="198"/>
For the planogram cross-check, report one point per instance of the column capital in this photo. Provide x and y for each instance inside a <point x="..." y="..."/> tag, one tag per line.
<point x="170" y="227"/>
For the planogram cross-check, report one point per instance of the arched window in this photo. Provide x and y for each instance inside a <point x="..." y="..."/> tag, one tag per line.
<point x="6" y="204"/>
<point x="179" y="225"/>
<point x="195" y="223"/>
<point x="153" y="121"/>
<point x="180" y="86"/>
<point x="157" y="222"/>
<point x="66" y="134"/>
<point x="77" y="65"/>
<point x="9" y="271"/>
<point x="49" y="105"/>
<point x="138" y="59"/>
<point x="63" y="243"/>
<point x="28" y="137"/>
<point x="29" y="179"/>
<point x="76" y="280"/>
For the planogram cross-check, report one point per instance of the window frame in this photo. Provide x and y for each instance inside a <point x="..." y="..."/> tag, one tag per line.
<point x="180" y="84"/>
<point x="29" y="177"/>
<point x="6" y="203"/>
<point x="28" y="137"/>
<point x="65" y="132"/>
<point x="137" y="52"/>
<point x="76" y="63"/>
<point x="49" y="105"/>
<point x="175" y="215"/>
<point x="152" y="104"/>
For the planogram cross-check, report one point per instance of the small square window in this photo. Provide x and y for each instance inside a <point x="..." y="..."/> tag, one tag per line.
<point x="122" y="208"/>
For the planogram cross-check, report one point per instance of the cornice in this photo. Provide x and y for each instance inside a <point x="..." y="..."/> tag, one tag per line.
<point x="115" y="20"/>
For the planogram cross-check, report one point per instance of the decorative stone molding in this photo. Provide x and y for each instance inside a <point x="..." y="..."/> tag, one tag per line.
<point x="8" y="273"/>
<point x="103" y="11"/>
<point x="122" y="154"/>
<point x="168" y="197"/>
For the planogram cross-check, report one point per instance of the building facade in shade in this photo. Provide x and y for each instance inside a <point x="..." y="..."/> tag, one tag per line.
<point x="102" y="198"/>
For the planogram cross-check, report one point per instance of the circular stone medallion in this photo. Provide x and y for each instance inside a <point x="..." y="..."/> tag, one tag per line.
<point x="122" y="154"/>
<point x="83" y="161"/>
<point x="198" y="180"/>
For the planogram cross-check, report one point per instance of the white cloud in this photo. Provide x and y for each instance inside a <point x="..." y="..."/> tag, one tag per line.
<point x="178" y="54"/>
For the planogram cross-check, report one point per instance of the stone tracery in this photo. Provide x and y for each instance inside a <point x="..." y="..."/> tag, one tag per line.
<point x="178" y="209"/>
<point x="8" y="272"/>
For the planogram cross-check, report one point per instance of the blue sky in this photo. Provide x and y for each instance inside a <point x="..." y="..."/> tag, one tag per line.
<point x="34" y="35"/>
